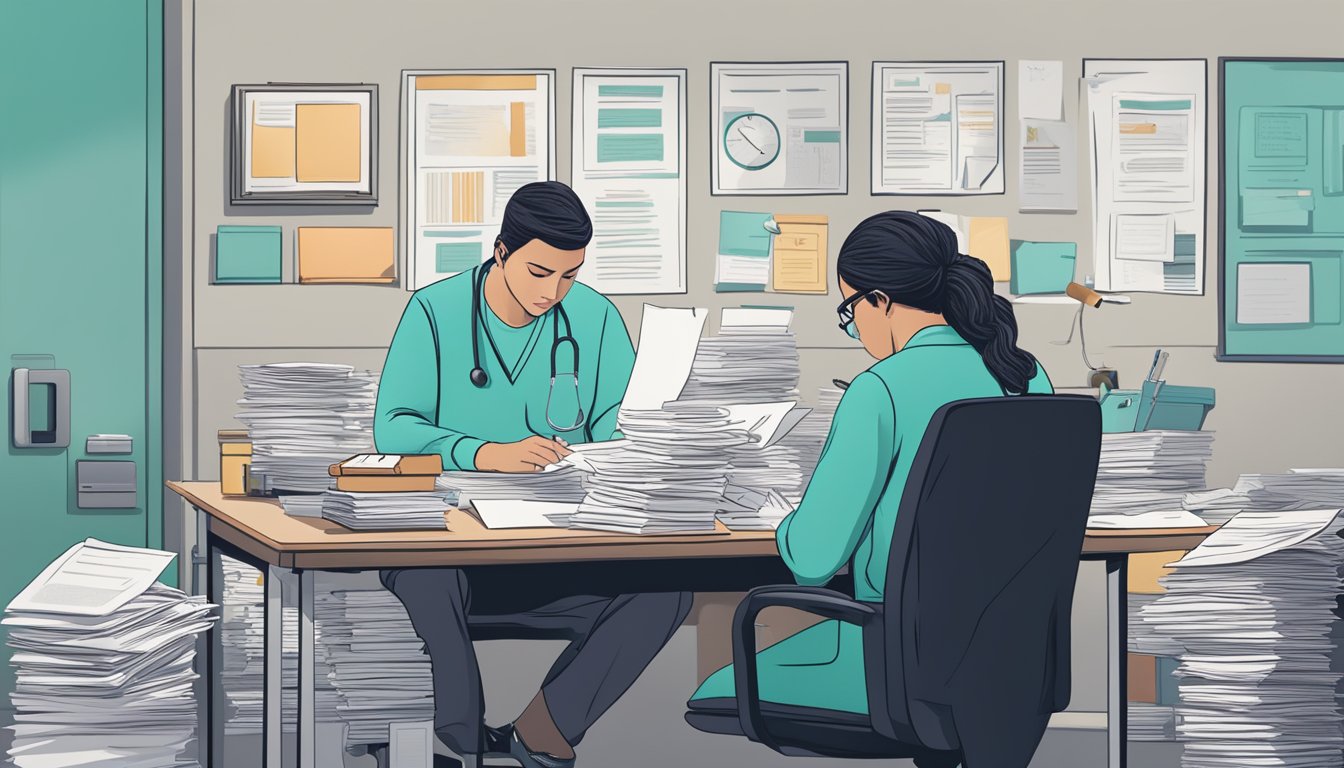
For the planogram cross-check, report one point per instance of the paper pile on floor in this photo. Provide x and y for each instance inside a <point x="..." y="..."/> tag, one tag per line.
<point x="1254" y="606"/>
<point x="303" y="417"/>
<point x="1151" y="471"/>
<point x="103" y="658"/>
<point x="378" y="666"/>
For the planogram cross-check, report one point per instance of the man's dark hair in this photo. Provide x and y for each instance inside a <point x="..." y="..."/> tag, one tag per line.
<point x="547" y="211"/>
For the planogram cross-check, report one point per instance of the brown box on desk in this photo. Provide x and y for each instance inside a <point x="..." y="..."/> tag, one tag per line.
<point x="408" y="473"/>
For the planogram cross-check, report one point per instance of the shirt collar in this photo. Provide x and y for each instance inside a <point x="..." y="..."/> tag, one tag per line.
<point x="935" y="336"/>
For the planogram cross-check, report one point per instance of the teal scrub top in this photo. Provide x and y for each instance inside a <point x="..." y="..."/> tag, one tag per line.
<point x="427" y="403"/>
<point x="849" y="510"/>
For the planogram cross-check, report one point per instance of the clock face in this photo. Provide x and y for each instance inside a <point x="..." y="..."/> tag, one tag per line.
<point x="751" y="141"/>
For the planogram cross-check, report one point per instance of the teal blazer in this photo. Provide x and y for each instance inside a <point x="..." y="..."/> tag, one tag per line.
<point x="849" y="510"/>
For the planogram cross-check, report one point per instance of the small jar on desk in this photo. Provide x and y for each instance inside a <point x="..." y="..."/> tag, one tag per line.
<point x="235" y="461"/>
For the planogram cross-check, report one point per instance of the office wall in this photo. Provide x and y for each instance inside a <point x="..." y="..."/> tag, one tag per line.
<point x="1269" y="416"/>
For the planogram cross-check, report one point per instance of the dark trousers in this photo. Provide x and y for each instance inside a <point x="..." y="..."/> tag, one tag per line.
<point x="611" y="641"/>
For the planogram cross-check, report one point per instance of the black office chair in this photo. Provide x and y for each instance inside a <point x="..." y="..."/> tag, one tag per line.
<point x="968" y="654"/>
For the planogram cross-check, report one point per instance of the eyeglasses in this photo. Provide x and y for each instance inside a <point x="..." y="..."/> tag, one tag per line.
<point x="846" y="313"/>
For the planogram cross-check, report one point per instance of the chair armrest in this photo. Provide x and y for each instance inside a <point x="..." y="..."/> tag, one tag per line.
<point x="815" y="600"/>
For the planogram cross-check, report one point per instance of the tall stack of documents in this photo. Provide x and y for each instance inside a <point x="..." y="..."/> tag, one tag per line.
<point x="1141" y="472"/>
<point x="559" y="483"/>
<point x="378" y="665"/>
<point x="243" y="639"/>
<point x="390" y="511"/>
<point x="809" y="437"/>
<point x="302" y="417"/>
<point x="103" y="659"/>
<point x="1254" y="606"/>
<point x="669" y="476"/>
<point x="749" y="509"/>
<point x="1295" y="489"/>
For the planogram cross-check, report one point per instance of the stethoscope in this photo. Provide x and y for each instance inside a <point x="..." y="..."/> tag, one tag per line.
<point x="480" y="378"/>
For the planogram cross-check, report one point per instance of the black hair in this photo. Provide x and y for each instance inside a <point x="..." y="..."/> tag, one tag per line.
<point x="913" y="259"/>
<point x="548" y="211"/>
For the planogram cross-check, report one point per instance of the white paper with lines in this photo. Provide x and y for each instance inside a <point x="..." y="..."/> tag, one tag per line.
<point x="93" y="578"/>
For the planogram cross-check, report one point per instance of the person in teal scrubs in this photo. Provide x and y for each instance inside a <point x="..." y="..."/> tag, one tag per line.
<point x="929" y="315"/>
<point x="500" y="369"/>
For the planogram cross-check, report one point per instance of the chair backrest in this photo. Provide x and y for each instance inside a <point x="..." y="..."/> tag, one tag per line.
<point x="983" y="562"/>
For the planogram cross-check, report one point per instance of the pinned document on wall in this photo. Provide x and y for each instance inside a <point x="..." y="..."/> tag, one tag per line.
<point x="779" y="129"/>
<point x="745" y="242"/>
<point x="798" y="264"/>
<point x="1040" y="90"/>
<point x="1276" y="293"/>
<point x="784" y="253"/>
<point x="1048" y="178"/>
<point x="1146" y="120"/>
<point x="984" y="237"/>
<point x="247" y="254"/>
<point x="472" y="138"/>
<point x="937" y="128"/>
<point x="629" y="169"/>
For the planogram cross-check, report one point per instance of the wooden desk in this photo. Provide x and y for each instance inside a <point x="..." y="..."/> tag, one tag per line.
<point x="288" y="550"/>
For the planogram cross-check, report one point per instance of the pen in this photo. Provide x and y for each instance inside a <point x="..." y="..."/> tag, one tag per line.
<point x="1152" y="369"/>
<point x="841" y="383"/>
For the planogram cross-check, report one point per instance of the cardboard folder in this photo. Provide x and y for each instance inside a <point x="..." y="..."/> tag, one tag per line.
<point x="381" y="473"/>
<point x="346" y="255"/>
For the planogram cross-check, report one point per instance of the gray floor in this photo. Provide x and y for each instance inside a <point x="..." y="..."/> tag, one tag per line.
<point x="645" y="728"/>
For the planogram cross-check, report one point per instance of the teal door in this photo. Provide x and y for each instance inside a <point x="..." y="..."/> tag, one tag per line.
<point x="80" y="270"/>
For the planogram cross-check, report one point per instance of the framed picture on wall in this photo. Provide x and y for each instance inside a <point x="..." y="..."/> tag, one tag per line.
<point x="299" y="143"/>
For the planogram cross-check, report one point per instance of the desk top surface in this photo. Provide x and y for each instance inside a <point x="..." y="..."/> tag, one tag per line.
<point x="261" y="528"/>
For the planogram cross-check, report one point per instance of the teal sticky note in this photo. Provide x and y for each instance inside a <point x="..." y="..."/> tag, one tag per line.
<point x="744" y="234"/>
<point x="1041" y="267"/>
<point x="451" y="258"/>
<point x="247" y="254"/>
<point x="1277" y="208"/>
<point x="629" y="147"/>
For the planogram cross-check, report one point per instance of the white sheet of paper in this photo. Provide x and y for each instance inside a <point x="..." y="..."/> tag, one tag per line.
<point x="1040" y="90"/>
<point x="668" y="338"/>
<point x="1177" y="518"/>
<point x="499" y="514"/>
<point x="1273" y="294"/>
<point x="1048" y="178"/>
<point x="373" y="461"/>
<point x="92" y="578"/>
<point x="1145" y="236"/>
<point x="773" y="317"/>
<point x="952" y="220"/>
<point x="767" y="421"/>
<point x="1255" y="534"/>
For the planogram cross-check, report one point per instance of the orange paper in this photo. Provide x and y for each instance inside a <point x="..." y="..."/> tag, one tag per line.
<point x="327" y="142"/>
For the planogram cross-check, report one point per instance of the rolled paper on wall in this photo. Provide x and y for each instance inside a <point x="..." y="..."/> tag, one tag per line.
<point x="1082" y="293"/>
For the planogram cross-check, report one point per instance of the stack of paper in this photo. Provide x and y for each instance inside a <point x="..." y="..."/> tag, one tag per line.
<point x="398" y="510"/>
<point x="668" y="477"/>
<point x="809" y="437"/>
<point x="1146" y="637"/>
<point x="103" y="659"/>
<point x="1254" y="605"/>
<point x="243" y="639"/>
<point x="1149" y="471"/>
<point x="1295" y="489"/>
<point x="303" y="417"/>
<point x="1151" y="722"/>
<point x="749" y="509"/>
<point x="745" y="364"/>
<point x="302" y="504"/>
<point x="557" y="483"/>
<point x="378" y="666"/>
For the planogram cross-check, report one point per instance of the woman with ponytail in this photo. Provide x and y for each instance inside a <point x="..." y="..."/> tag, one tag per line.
<point x="929" y="315"/>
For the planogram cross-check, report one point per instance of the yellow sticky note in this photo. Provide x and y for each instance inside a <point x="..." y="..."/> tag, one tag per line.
<point x="327" y="145"/>
<point x="346" y="254"/>
<point x="988" y="241"/>
<point x="799" y="254"/>
<point x="942" y="89"/>
<point x="272" y="150"/>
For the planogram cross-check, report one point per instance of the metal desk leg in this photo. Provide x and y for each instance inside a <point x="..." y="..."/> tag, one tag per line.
<point x="214" y="698"/>
<point x="1117" y="660"/>
<point x="307" y="684"/>
<point x="272" y="720"/>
